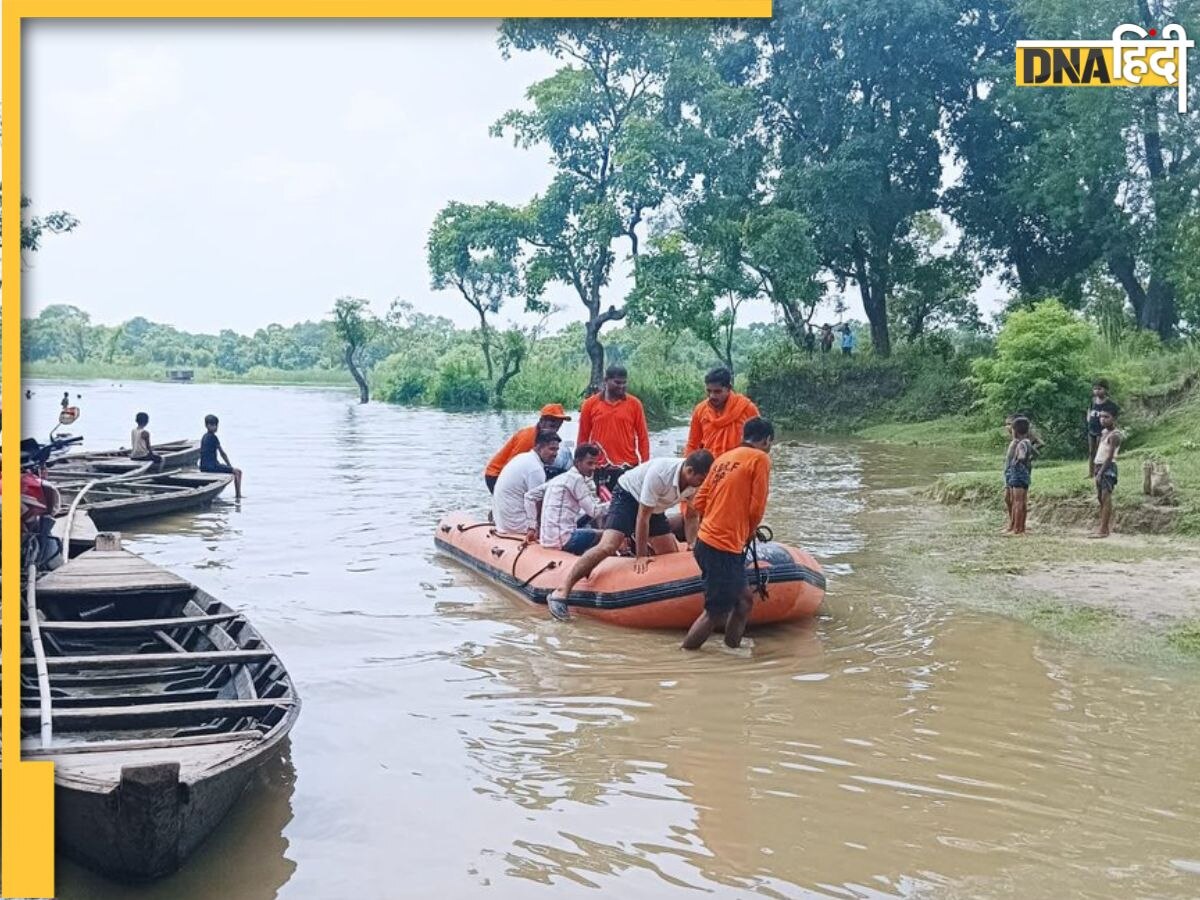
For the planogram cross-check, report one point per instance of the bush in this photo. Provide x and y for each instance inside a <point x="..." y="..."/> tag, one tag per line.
<point x="1040" y="367"/>
<point x="461" y="382"/>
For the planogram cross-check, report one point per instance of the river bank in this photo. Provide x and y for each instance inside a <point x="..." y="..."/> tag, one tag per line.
<point x="119" y="373"/>
<point x="1135" y="594"/>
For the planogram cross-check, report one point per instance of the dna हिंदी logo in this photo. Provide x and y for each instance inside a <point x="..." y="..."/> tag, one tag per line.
<point x="1133" y="57"/>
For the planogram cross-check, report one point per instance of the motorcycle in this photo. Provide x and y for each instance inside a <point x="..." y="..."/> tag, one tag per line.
<point x="40" y="500"/>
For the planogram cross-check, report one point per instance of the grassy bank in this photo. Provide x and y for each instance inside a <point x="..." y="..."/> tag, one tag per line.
<point x="121" y="373"/>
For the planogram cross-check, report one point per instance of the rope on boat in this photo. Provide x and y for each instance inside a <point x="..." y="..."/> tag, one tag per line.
<point x="461" y="527"/>
<point x="553" y="564"/>
<point x="766" y="535"/>
<point x="39" y="653"/>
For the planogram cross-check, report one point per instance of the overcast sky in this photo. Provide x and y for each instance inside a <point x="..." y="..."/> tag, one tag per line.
<point x="230" y="175"/>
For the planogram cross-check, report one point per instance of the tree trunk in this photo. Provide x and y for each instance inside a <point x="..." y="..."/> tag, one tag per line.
<point x="595" y="352"/>
<point x="1160" y="314"/>
<point x="485" y="341"/>
<point x="502" y="383"/>
<point x="363" y="393"/>
<point x="873" y="288"/>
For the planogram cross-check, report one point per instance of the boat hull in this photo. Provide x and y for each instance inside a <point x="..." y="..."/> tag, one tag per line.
<point x="668" y="596"/>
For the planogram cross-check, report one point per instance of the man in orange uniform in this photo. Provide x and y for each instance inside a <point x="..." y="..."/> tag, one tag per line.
<point x="717" y="421"/>
<point x="731" y="504"/>
<point x="552" y="417"/>
<point x="615" y="420"/>
<point x="716" y="424"/>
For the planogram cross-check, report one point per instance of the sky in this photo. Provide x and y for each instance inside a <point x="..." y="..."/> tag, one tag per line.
<point x="235" y="174"/>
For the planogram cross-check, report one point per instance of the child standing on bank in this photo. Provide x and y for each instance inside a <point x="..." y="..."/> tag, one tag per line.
<point x="1105" y="461"/>
<point x="1018" y="471"/>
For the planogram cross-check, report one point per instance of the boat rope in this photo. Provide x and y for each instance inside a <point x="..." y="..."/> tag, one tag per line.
<point x="553" y="564"/>
<point x="461" y="527"/>
<point x="762" y="533"/>
<point x="39" y="654"/>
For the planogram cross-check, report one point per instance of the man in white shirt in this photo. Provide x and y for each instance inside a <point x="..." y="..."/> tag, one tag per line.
<point x="567" y="499"/>
<point x="637" y="512"/>
<point x="520" y="475"/>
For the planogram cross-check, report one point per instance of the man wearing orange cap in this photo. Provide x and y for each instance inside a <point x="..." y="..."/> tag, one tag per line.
<point x="552" y="417"/>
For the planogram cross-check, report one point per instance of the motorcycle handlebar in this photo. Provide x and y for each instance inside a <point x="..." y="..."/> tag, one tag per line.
<point x="35" y="455"/>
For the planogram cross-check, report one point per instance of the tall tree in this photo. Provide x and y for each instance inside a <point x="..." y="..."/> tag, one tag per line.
<point x="356" y="326"/>
<point x="935" y="281"/>
<point x="475" y="251"/>
<point x="602" y="118"/>
<point x="854" y="93"/>
<point x="35" y="228"/>
<point x="1057" y="180"/>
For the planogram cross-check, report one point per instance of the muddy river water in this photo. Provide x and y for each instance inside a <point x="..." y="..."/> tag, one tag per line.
<point x="455" y="743"/>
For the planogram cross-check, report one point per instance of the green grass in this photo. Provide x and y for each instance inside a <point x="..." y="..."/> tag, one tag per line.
<point x="1170" y="436"/>
<point x="128" y="372"/>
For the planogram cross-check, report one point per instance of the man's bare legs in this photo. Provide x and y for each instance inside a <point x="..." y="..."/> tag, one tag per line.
<point x="734" y="624"/>
<point x="1105" y="527"/>
<point x="1020" y="506"/>
<point x="610" y="544"/>
<point x="1008" y="511"/>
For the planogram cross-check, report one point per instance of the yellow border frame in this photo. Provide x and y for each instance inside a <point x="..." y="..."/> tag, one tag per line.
<point x="27" y="828"/>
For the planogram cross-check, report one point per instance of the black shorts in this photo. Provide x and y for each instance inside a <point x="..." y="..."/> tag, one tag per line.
<point x="490" y="481"/>
<point x="1107" y="479"/>
<point x="217" y="468"/>
<point x="1017" y="477"/>
<point x="724" y="575"/>
<point x="622" y="516"/>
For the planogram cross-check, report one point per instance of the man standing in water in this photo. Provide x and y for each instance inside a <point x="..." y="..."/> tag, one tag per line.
<point x="210" y="447"/>
<point x="731" y="505"/>
<point x="551" y="418"/>
<point x="616" y="421"/>
<point x="1105" y="461"/>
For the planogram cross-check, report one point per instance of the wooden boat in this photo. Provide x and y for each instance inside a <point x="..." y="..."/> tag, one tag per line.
<point x="175" y="454"/>
<point x="116" y="501"/>
<point x="669" y="595"/>
<point x="83" y="533"/>
<point x="154" y="701"/>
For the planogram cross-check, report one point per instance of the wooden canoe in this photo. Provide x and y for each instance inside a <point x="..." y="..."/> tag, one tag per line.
<point x="83" y="533"/>
<point x="154" y="701"/>
<point x="116" y="501"/>
<point x="175" y="454"/>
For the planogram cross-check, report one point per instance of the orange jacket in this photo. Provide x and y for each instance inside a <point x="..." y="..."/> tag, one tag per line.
<point x="521" y="442"/>
<point x="620" y="428"/>
<point x="733" y="499"/>
<point x="719" y="432"/>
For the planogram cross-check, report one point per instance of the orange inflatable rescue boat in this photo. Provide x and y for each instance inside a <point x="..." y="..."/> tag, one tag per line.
<point x="668" y="595"/>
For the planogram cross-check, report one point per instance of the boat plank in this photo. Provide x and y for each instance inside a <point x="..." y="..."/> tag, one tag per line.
<point x="148" y="714"/>
<point x="152" y="660"/>
<point x="139" y="744"/>
<point x="138" y="624"/>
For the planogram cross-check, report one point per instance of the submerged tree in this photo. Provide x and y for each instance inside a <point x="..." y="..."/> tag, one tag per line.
<point x="602" y="117"/>
<point x="474" y="250"/>
<point x="356" y="326"/>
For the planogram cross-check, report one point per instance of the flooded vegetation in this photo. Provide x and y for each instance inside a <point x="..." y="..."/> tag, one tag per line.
<point x="456" y="742"/>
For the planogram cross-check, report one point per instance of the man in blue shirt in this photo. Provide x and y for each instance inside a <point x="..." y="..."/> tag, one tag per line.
<point x="848" y="341"/>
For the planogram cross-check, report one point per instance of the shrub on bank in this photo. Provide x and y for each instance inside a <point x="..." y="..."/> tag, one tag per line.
<point x="1040" y="367"/>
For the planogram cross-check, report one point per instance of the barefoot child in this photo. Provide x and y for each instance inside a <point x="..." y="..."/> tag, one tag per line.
<point x="1105" y="461"/>
<point x="1018" y="465"/>
<point x="210" y="446"/>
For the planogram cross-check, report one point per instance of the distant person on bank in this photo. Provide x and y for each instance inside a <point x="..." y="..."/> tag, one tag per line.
<point x="1018" y="472"/>
<point x="826" y="338"/>
<point x="210" y="449"/>
<point x="810" y="341"/>
<point x="551" y="418"/>
<point x="848" y="341"/>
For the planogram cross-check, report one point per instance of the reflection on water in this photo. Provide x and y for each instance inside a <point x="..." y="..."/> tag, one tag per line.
<point x="453" y="742"/>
